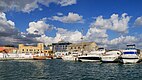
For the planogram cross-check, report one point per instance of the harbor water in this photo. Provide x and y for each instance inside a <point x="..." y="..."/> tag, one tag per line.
<point x="66" y="70"/>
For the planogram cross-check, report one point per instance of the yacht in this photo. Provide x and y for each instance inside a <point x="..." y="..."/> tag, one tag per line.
<point x="93" y="56"/>
<point x="111" y="56"/>
<point x="71" y="56"/>
<point x="130" y="54"/>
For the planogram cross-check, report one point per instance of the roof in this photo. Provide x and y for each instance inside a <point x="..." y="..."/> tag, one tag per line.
<point x="80" y="44"/>
<point x="1" y="49"/>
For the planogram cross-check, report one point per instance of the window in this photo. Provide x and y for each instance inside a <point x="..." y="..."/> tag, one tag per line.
<point x="78" y="47"/>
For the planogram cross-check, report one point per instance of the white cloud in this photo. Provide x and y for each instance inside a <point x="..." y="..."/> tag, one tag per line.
<point x="30" y="5"/>
<point x="9" y="35"/>
<point x="71" y="36"/>
<point x="36" y="32"/>
<point x="7" y="27"/>
<point x="39" y="27"/>
<point x="59" y="13"/>
<point x="66" y="2"/>
<point x="70" y="18"/>
<point x="138" y="21"/>
<point x="97" y="35"/>
<point x="123" y="40"/>
<point x="116" y="23"/>
<point x="98" y="29"/>
<point x="62" y="34"/>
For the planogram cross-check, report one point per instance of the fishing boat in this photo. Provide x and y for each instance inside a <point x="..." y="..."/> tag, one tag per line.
<point x="130" y="54"/>
<point x="111" y="56"/>
<point x="93" y="56"/>
<point x="39" y="56"/>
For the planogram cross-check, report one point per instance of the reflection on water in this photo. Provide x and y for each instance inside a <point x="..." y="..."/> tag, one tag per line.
<point x="64" y="70"/>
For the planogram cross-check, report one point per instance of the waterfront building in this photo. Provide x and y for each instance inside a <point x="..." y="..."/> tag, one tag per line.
<point x="8" y="49"/>
<point x="84" y="46"/>
<point x="31" y="48"/>
<point x="61" y="46"/>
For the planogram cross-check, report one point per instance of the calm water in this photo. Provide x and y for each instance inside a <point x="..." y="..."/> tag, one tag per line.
<point x="64" y="70"/>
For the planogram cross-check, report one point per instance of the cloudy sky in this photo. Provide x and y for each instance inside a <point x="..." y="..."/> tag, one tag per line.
<point x="109" y="23"/>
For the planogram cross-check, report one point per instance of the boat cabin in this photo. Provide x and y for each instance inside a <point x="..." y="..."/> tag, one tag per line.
<point x="131" y="47"/>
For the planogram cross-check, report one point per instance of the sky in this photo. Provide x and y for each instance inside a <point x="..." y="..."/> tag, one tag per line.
<point x="109" y="23"/>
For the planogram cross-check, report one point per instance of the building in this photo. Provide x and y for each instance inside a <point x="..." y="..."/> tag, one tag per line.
<point x="9" y="49"/>
<point x="84" y="46"/>
<point x="60" y="46"/>
<point x="31" y="48"/>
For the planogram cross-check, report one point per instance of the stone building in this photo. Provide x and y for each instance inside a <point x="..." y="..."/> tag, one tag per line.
<point x="31" y="48"/>
<point x="84" y="46"/>
<point x="60" y="46"/>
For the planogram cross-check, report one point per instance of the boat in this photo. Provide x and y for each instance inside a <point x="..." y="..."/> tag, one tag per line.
<point x="111" y="56"/>
<point x="39" y="57"/>
<point x="71" y="56"/>
<point x="58" y="55"/>
<point x="93" y="56"/>
<point x="130" y="54"/>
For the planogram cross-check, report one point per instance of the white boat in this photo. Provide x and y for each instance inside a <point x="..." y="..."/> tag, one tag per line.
<point x="111" y="56"/>
<point x="58" y="55"/>
<point x="93" y="56"/>
<point x="71" y="56"/>
<point x="130" y="54"/>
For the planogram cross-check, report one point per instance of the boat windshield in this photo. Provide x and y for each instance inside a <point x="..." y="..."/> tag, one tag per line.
<point x="131" y="47"/>
<point x="100" y="49"/>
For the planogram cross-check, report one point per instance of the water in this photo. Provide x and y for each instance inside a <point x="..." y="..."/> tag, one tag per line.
<point x="65" y="70"/>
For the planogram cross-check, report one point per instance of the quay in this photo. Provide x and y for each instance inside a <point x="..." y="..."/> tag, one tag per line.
<point x="55" y="51"/>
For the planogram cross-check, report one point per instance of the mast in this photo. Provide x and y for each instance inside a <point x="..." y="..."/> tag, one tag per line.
<point x="82" y="41"/>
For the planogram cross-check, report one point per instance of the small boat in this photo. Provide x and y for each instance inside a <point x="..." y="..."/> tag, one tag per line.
<point x="111" y="56"/>
<point x="39" y="57"/>
<point x="58" y="55"/>
<point x="93" y="56"/>
<point x="130" y="54"/>
<point x="71" y="56"/>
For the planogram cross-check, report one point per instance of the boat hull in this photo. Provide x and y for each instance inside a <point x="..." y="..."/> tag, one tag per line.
<point x="89" y="59"/>
<point x="110" y="59"/>
<point x="69" y="58"/>
<point x="39" y="57"/>
<point x="111" y="56"/>
<point x="129" y="58"/>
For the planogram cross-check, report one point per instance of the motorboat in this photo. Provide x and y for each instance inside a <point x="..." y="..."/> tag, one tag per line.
<point x="111" y="56"/>
<point x="130" y="54"/>
<point x="93" y="56"/>
<point x="58" y="55"/>
<point x="71" y="56"/>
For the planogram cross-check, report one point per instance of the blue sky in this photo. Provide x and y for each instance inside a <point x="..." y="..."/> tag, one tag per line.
<point x="106" y="22"/>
